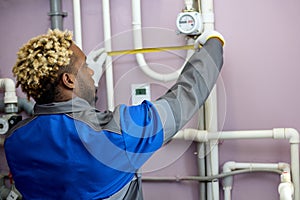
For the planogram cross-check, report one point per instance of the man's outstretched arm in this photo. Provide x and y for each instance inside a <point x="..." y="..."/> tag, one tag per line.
<point x="193" y="86"/>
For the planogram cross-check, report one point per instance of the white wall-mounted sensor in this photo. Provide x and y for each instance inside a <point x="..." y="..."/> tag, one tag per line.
<point x="140" y="92"/>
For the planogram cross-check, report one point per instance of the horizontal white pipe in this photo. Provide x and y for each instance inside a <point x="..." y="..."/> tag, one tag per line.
<point x="231" y="165"/>
<point x="205" y="136"/>
<point x="10" y="90"/>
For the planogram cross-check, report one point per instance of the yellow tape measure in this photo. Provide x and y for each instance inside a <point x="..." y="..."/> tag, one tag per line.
<point x="150" y="50"/>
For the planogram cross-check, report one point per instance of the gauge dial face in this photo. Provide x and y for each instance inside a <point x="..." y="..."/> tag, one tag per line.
<point x="186" y="23"/>
<point x="189" y="23"/>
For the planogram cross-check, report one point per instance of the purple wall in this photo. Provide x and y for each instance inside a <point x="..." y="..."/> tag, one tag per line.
<point x="261" y="82"/>
<point x="257" y="89"/>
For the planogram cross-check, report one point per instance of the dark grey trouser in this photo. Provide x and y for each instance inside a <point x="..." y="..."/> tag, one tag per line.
<point x="131" y="191"/>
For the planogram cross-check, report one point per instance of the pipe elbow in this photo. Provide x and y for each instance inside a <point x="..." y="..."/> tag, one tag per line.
<point x="285" y="167"/>
<point x="228" y="181"/>
<point x="293" y="135"/>
<point x="8" y="84"/>
<point x="155" y="75"/>
<point x="10" y="90"/>
<point x="229" y="166"/>
<point x="286" y="133"/>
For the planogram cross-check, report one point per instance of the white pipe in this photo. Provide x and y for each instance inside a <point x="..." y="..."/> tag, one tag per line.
<point x="205" y="136"/>
<point x="227" y="193"/>
<point x="231" y="166"/>
<point x="201" y="169"/>
<point x="278" y="133"/>
<point x="10" y="90"/>
<point x="201" y="157"/>
<point x="212" y="161"/>
<point x="138" y="44"/>
<point x="108" y="48"/>
<point x="211" y="116"/>
<point x="295" y="169"/>
<point x="208" y="14"/>
<point x="77" y="23"/>
<point x="286" y="191"/>
<point x="293" y="136"/>
<point x="188" y="4"/>
<point x="286" y="188"/>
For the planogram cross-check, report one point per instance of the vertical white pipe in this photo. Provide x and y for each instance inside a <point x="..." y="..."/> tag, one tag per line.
<point x="10" y="97"/>
<point x="211" y="112"/>
<point x="207" y="14"/>
<point x="108" y="48"/>
<point x="295" y="169"/>
<point x="286" y="188"/>
<point x="201" y="157"/>
<point x="294" y="137"/>
<point x="188" y="4"/>
<point x="77" y="23"/>
<point x="286" y="191"/>
<point x="227" y="193"/>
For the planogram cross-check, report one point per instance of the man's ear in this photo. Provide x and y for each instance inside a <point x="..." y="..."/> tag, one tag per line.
<point x="68" y="80"/>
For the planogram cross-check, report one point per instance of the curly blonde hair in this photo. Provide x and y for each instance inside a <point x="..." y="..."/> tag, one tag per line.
<point x="39" y="62"/>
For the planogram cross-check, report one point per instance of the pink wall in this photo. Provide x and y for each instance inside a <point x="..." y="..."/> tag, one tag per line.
<point x="257" y="89"/>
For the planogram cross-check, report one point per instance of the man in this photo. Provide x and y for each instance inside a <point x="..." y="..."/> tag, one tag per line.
<point x="69" y="149"/>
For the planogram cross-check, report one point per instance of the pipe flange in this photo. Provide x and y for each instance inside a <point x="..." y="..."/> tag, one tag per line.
<point x="63" y="14"/>
<point x="4" y="126"/>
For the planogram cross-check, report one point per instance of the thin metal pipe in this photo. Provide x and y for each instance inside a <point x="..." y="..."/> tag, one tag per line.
<point x="56" y="14"/>
<point x="208" y="178"/>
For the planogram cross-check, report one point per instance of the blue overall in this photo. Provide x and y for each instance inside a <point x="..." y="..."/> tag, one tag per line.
<point x="67" y="156"/>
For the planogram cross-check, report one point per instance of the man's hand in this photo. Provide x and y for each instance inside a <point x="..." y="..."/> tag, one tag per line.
<point x="95" y="60"/>
<point x="207" y="35"/>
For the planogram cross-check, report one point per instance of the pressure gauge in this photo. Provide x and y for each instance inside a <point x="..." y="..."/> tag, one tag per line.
<point x="189" y="23"/>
